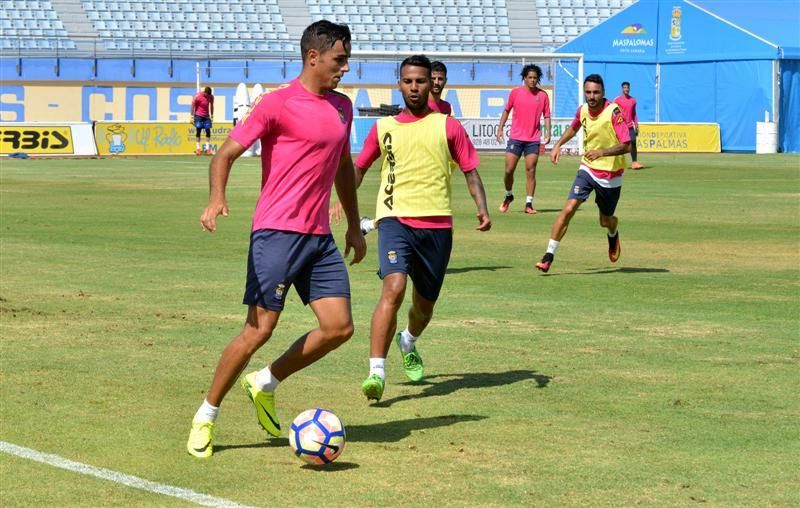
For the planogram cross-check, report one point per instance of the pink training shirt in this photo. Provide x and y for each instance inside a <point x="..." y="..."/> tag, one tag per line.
<point x="529" y="107"/>
<point x="628" y="107"/>
<point x="303" y="136"/>
<point x="461" y="150"/>
<point x="442" y="106"/>
<point x="202" y="104"/>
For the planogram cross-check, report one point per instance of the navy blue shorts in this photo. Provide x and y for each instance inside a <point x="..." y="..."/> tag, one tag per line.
<point x="422" y="254"/>
<point x="518" y="147"/>
<point x="202" y="122"/>
<point x="606" y="199"/>
<point x="280" y="259"/>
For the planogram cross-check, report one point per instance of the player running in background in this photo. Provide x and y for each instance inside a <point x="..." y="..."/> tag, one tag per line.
<point x="438" y="82"/>
<point x="202" y="113"/>
<point x="414" y="214"/>
<point x="628" y="106"/>
<point x="530" y="105"/>
<point x="605" y="143"/>
<point x="291" y="242"/>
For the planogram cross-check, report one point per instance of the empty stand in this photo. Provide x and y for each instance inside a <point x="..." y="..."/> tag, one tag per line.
<point x="190" y="25"/>
<point x="32" y="25"/>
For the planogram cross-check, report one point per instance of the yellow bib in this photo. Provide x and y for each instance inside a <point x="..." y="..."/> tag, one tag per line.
<point x="415" y="176"/>
<point x="598" y="133"/>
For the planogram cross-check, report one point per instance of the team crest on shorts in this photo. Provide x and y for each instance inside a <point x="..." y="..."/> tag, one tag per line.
<point x="576" y="189"/>
<point x="280" y="289"/>
<point x="392" y="257"/>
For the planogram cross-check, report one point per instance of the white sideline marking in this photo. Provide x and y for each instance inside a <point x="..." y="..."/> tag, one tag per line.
<point x="117" y="477"/>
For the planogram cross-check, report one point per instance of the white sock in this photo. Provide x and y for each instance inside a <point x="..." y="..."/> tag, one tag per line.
<point x="206" y="413"/>
<point x="509" y="193"/>
<point x="612" y="235"/>
<point x="377" y="366"/>
<point x="529" y="199"/>
<point x="197" y="145"/>
<point x="552" y="245"/>
<point x="265" y="381"/>
<point x="407" y="341"/>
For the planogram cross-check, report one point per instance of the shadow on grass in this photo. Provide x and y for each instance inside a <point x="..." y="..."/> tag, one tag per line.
<point x="271" y="442"/>
<point x="332" y="467"/>
<point x="601" y="271"/>
<point x="467" y="380"/>
<point x="476" y="268"/>
<point x="400" y="429"/>
<point x="385" y="432"/>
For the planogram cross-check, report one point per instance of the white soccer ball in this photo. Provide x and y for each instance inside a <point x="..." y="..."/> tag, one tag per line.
<point x="317" y="436"/>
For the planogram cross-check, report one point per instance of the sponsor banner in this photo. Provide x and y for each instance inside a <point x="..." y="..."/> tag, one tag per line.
<point x="121" y="102"/>
<point x="483" y="133"/>
<point x="47" y="139"/>
<point x="678" y="137"/>
<point x="154" y="138"/>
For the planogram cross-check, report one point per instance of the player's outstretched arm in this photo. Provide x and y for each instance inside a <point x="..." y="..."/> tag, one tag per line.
<point x="555" y="153"/>
<point x="475" y="186"/>
<point x="345" y="183"/>
<point x="218" y="172"/>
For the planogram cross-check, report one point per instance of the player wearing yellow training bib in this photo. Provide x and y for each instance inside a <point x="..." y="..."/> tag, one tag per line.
<point x="605" y="142"/>
<point x="412" y="210"/>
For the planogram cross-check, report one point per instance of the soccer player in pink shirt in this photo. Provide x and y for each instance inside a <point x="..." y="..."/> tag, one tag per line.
<point x="304" y="128"/>
<point x="202" y="113"/>
<point x="438" y="82"/>
<point x="530" y="105"/>
<point x="628" y="106"/>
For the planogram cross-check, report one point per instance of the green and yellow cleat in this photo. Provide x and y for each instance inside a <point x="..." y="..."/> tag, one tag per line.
<point x="412" y="362"/>
<point x="372" y="387"/>
<point x="200" y="437"/>
<point x="265" y="405"/>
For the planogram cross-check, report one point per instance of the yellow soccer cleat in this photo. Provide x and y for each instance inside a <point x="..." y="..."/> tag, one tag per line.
<point x="200" y="437"/>
<point x="265" y="405"/>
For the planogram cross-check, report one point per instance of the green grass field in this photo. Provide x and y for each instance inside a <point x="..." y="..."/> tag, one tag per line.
<point x="669" y="378"/>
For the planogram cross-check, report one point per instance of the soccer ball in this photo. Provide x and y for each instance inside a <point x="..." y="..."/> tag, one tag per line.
<point x="317" y="436"/>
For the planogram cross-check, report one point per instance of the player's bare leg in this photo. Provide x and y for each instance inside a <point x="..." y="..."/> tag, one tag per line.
<point x="560" y="227"/>
<point x="508" y="180"/>
<point x="382" y="328"/>
<point x="420" y="314"/>
<point x="384" y="318"/>
<point x="335" y="328"/>
<point x="257" y="330"/>
<point x="531" y="161"/>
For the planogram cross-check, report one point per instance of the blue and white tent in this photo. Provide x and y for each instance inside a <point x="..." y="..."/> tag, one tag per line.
<point x="723" y="61"/>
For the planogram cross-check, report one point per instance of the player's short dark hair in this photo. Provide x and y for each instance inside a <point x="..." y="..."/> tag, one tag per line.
<point x="207" y="90"/>
<point x="625" y="83"/>
<point x="595" y="78"/>
<point x="416" y="61"/>
<point x="322" y="36"/>
<point x="531" y="67"/>
<point x="437" y="66"/>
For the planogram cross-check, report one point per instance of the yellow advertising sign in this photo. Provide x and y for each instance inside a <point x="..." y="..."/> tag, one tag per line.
<point x="678" y="137"/>
<point x="36" y="140"/>
<point x="153" y="138"/>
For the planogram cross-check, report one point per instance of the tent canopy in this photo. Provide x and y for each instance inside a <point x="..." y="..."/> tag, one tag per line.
<point x="655" y="31"/>
<point x="704" y="61"/>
